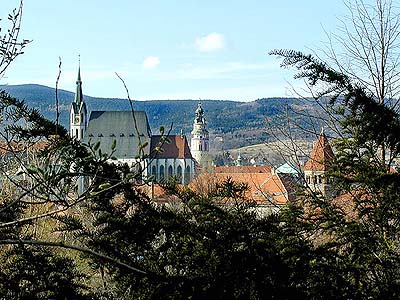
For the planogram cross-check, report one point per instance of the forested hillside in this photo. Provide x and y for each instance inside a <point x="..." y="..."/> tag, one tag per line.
<point x="239" y="123"/>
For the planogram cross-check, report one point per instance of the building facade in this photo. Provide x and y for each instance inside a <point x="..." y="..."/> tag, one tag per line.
<point x="200" y="142"/>
<point x="126" y="136"/>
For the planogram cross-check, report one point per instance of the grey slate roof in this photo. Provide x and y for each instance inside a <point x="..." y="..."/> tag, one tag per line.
<point x="107" y="126"/>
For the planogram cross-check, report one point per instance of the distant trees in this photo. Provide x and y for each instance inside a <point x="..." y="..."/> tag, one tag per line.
<point x="113" y="242"/>
<point x="211" y="244"/>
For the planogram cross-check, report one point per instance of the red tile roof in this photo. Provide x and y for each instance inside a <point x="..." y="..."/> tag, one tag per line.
<point x="264" y="186"/>
<point x="243" y="169"/>
<point x="177" y="148"/>
<point x="14" y="147"/>
<point x="320" y="156"/>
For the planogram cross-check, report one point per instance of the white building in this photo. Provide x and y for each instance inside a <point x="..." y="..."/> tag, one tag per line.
<point x="200" y="143"/>
<point x="129" y="130"/>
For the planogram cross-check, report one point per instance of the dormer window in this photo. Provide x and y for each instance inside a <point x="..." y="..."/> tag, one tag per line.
<point x="122" y="135"/>
<point x="100" y="135"/>
<point x="112" y="135"/>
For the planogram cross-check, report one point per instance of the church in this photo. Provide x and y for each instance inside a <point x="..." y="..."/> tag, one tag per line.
<point x="131" y="132"/>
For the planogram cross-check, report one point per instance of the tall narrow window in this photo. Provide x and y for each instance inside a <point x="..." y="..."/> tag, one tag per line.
<point x="170" y="171"/>
<point x="187" y="175"/>
<point x="162" y="173"/>
<point x="179" y="174"/>
<point x="154" y="172"/>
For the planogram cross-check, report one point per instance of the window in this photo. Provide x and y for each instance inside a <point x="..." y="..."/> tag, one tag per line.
<point x="76" y="132"/>
<point x="170" y="171"/>
<point x="187" y="175"/>
<point x="154" y="172"/>
<point x="162" y="173"/>
<point x="179" y="174"/>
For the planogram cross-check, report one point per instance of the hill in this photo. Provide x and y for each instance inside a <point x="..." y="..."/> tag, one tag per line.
<point x="232" y="124"/>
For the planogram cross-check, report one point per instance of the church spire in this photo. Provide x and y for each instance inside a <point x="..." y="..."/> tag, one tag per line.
<point x="78" y="94"/>
<point x="78" y="111"/>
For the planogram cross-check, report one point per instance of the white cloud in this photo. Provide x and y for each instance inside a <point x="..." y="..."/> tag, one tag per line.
<point x="151" y="62"/>
<point x="211" y="42"/>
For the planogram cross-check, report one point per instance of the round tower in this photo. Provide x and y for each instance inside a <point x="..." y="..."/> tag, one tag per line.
<point x="200" y="143"/>
<point x="78" y="112"/>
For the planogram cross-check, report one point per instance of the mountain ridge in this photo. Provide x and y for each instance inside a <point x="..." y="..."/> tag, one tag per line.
<point x="238" y="123"/>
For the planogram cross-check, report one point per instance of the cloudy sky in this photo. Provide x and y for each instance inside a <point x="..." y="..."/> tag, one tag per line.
<point x="168" y="49"/>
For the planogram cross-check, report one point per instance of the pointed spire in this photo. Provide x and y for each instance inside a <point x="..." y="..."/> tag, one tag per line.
<point x="321" y="154"/>
<point x="78" y="94"/>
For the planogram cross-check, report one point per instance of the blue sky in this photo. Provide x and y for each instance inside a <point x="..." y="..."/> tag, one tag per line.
<point x="169" y="49"/>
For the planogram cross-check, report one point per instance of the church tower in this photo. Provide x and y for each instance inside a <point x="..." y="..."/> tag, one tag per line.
<point x="317" y="166"/>
<point x="200" y="142"/>
<point x="78" y="112"/>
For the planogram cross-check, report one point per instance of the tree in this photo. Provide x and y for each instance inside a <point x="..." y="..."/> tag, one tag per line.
<point x="362" y="224"/>
<point x="367" y="48"/>
<point x="10" y="44"/>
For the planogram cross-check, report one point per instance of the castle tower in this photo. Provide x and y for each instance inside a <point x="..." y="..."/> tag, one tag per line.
<point x="200" y="142"/>
<point x="315" y="169"/>
<point x="78" y="112"/>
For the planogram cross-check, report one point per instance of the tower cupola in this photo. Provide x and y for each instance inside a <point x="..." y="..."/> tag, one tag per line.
<point x="200" y="143"/>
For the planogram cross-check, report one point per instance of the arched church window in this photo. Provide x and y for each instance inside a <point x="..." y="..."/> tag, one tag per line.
<point x="187" y="175"/>
<point x="162" y="173"/>
<point x="179" y="174"/>
<point x="154" y="172"/>
<point x="170" y="171"/>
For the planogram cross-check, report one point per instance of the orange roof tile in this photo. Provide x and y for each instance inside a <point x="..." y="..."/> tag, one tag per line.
<point x="14" y="147"/>
<point x="264" y="187"/>
<point x="320" y="156"/>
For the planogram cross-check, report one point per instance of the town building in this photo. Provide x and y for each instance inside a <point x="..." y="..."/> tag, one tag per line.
<point x="200" y="142"/>
<point x="317" y="166"/>
<point x="171" y="157"/>
<point x="127" y="138"/>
